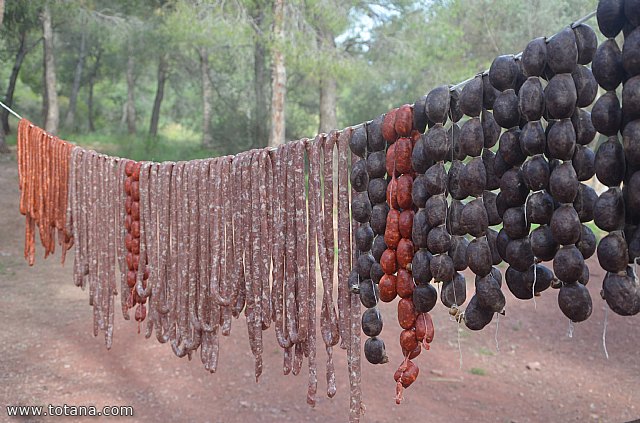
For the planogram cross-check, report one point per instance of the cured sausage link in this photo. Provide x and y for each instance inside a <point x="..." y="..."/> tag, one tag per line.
<point x="356" y="407"/>
<point x="228" y="288"/>
<point x="264" y="238"/>
<point x="344" y="237"/>
<point x="329" y="336"/>
<point x="302" y="289"/>
<point x="350" y="304"/>
<point x="312" y="243"/>
<point x="291" y="270"/>
<point x="257" y="163"/>
<point x="328" y="227"/>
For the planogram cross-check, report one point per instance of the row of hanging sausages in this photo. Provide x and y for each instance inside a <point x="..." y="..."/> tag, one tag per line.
<point x="196" y="243"/>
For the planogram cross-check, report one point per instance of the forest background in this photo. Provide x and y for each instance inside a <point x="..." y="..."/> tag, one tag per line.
<point x="174" y="80"/>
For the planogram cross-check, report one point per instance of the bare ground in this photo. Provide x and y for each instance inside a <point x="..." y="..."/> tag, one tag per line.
<point x="48" y="355"/>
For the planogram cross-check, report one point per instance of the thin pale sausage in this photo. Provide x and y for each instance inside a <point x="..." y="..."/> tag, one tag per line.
<point x="264" y="245"/>
<point x="228" y="288"/>
<point x="344" y="236"/>
<point x="301" y="241"/>
<point x="327" y="329"/>
<point x="278" y="158"/>
<point x="311" y="340"/>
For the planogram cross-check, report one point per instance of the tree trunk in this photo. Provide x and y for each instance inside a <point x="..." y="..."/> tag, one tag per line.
<point x="3" y="145"/>
<point x="52" y="116"/>
<point x="157" y="102"/>
<point x="92" y="80"/>
<point x="207" y="136"/>
<point x="131" y="104"/>
<point x="92" y="127"/>
<point x="75" y="88"/>
<point x="279" y="78"/>
<point x="328" y="100"/>
<point x="328" y="85"/>
<point x="17" y="64"/>
<point x="260" y="124"/>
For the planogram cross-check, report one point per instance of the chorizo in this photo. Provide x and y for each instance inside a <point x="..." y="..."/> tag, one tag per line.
<point x="392" y="230"/>
<point x="404" y="284"/>
<point x="404" y="253"/>
<point x="402" y="156"/>
<point x="392" y="193"/>
<point x="403" y="124"/>
<point x="388" y="126"/>
<point x="389" y="261"/>
<point x="387" y="288"/>
<point x="405" y="223"/>
<point x="406" y="313"/>
<point x="404" y="188"/>
<point x="424" y="329"/>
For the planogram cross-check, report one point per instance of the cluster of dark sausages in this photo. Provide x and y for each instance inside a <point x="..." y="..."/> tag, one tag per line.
<point x="617" y="210"/>
<point x="534" y="107"/>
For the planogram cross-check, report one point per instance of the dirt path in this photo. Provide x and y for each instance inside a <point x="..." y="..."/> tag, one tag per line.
<point x="49" y="356"/>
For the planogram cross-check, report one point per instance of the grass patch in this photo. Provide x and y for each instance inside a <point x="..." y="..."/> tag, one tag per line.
<point x="478" y="371"/>
<point x="463" y="333"/>
<point x="4" y="270"/>
<point x="485" y="351"/>
<point x="172" y="143"/>
<point x="11" y="139"/>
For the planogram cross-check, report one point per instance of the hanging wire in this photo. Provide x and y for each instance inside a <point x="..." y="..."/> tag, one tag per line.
<point x="10" y="110"/>
<point x="604" y="332"/>
<point x="519" y="55"/>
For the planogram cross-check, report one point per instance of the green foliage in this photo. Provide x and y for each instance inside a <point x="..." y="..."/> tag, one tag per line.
<point x="478" y="371"/>
<point x="382" y="54"/>
<point x="174" y="142"/>
<point x="485" y="351"/>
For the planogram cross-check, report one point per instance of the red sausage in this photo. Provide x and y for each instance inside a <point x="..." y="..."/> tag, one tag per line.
<point x="403" y="192"/>
<point x="404" y="253"/>
<point x="405" y="223"/>
<point x="408" y="340"/>
<point x="392" y="231"/>
<point x="403" y="149"/>
<point x="392" y="194"/>
<point x="389" y="262"/>
<point x="387" y="288"/>
<point x="408" y="376"/>
<point x="424" y="328"/>
<point x="388" y="126"/>
<point x="135" y="210"/>
<point x="404" y="284"/>
<point x="406" y="313"/>
<point x="404" y="120"/>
